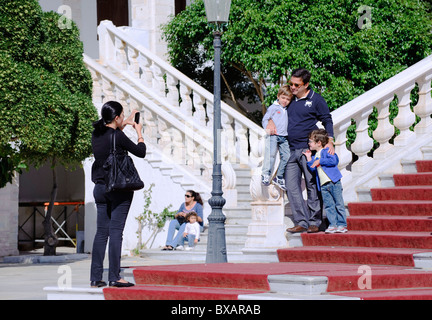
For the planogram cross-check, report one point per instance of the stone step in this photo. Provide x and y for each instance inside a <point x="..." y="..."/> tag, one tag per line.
<point x="199" y="256"/>
<point x="58" y="293"/>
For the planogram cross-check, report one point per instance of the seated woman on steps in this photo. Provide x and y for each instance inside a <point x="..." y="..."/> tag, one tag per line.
<point x="193" y="202"/>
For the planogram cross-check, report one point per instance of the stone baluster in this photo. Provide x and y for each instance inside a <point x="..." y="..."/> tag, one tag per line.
<point x="178" y="146"/>
<point x="345" y="156"/>
<point x="200" y="112"/>
<point x="228" y="158"/>
<point x="97" y="86"/>
<point x="173" y="93"/>
<point x="145" y="70"/>
<point x="192" y="149"/>
<point x="120" y="56"/>
<point x="164" y="143"/>
<point x="186" y="101"/>
<point x="242" y="152"/>
<point x="158" y="80"/>
<point x="363" y="143"/>
<point x="405" y="117"/>
<point x="210" y="112"/>
<point x="229" y="181"/>
<point x="228" y="138"/>
<point x="257" y="145"/>
<point x="133" y="67"/>
<point x="121" y="96"/>
<point x="108" y="90"/>
<point x="207" y="162"/>
<point x="134" y="104"/>
<point x="385" y="130"/>
<point x="150" y="126"/>
<point x="423" y="109"/>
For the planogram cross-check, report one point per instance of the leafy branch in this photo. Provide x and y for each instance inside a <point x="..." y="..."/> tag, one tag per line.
<point x="153" y="220"/>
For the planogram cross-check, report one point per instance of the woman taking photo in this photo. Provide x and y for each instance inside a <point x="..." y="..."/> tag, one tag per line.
<point x="193" y="202"/>
<point x="112" y="207"/>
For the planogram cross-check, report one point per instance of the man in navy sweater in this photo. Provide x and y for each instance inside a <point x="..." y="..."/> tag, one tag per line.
<point x="304" y="112"/>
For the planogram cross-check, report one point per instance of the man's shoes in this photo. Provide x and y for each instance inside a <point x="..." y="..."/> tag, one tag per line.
<point x="119" y="284"/>
<point x="296" y="229"/>
<point x="97" y="284"/>
<point x="312" y="229"/>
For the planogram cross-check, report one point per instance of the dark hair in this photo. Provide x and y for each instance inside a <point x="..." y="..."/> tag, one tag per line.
<point x="319" y="135"/>
<point x="302" y="73"/>
<point x="196" y="196"/>
<point x="110" y="110"/>
<point x="192" y="213"/>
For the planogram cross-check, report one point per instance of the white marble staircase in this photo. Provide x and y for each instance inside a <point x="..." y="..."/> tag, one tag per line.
<point x="179" y="134"/>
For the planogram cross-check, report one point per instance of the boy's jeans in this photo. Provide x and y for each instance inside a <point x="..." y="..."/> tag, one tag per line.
<point x="273" y="143"/>
<point x="334" y="204"/>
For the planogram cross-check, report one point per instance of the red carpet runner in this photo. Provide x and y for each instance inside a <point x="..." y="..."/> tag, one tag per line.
<point x="383" y="235"/>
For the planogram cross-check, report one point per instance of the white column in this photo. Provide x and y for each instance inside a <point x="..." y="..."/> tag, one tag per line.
<point x="423" y="109"/>
<point x="405" y="117"/>
<point x="385" y="130"/>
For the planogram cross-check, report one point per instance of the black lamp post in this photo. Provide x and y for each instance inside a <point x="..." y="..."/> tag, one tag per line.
<point x="217" y="12"/>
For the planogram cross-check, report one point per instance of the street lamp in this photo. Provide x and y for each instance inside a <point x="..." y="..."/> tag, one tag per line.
<point x="217" y="12"/>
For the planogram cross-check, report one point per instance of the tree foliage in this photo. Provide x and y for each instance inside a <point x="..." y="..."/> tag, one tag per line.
<point x="265" y="40"/>
<point x="46" y="109"/>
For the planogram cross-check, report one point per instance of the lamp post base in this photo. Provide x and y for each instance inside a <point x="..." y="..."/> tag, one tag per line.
<point x="216" y="246"/>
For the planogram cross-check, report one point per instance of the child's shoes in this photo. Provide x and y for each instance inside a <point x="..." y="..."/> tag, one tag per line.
<point x="280" y="183"/>
<point x="265" y="180"/>
<point x="341" y="229"/>
<point x="331" y="230"/>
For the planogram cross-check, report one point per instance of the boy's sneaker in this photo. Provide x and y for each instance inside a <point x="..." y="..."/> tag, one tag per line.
<point x="280" y="183"/>
<point x="331" y="230"/>
<point x="265" y="180"/>
<point x="180" y="248"/>
<point x="341" y="229"/>
<point x="189" y="248"/>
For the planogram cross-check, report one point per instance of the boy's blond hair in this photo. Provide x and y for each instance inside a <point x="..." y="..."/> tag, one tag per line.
<point x="285" y="90"/>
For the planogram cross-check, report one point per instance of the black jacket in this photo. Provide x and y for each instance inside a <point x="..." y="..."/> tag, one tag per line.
<point x="102" y="147"/>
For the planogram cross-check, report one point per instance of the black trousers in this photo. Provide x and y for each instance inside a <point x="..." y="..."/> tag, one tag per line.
<point x="112" y="211"/>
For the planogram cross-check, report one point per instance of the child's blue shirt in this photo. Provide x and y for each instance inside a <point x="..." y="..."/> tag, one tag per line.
<point x="329" y="164"/>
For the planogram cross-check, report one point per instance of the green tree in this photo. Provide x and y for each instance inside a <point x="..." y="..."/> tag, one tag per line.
<point x="265" y="40"/>
<point x="46" y="110"/>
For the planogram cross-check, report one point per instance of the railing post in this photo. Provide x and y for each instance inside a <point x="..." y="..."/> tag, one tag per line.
<point x="405" y="117"/>
<point x="345" y="156"/>
<point x="363" y="143"/>
<point x="385" y="129"/>
<point x="173" y="92"/>
<point x="423" y="109"/>
<point x="120" y="54"/>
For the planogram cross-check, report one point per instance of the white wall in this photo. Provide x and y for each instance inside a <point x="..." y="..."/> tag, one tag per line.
<point x="84" y="14"/>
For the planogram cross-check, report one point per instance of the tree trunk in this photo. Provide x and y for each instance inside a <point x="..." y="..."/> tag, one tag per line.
<point x="51" y="240"/>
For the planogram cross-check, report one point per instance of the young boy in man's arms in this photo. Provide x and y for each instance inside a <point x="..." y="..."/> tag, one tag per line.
<point x="278" y="140"/>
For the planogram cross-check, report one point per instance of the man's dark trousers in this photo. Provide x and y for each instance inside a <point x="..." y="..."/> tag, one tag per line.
<point x="309" y="213"/>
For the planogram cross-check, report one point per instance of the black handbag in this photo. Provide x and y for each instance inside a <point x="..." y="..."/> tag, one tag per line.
<point x="120" y="171"/>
